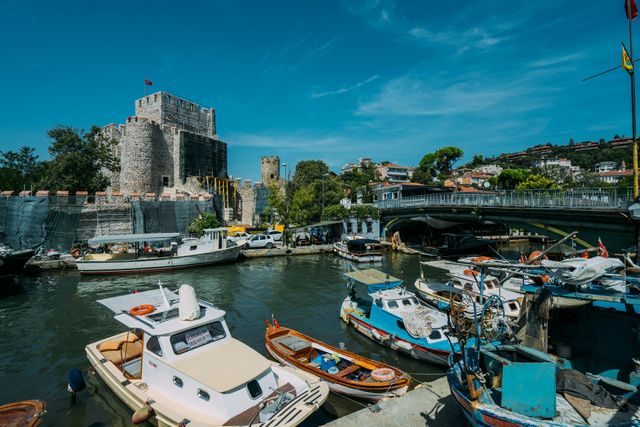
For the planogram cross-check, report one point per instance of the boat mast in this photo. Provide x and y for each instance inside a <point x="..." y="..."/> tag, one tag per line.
<point x="630" y="16"/>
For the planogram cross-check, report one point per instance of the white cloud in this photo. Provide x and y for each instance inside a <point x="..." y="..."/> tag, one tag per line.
<point x="477" y="37"/>
<point x="345" y="89"/>
<point x="423" y="95"/>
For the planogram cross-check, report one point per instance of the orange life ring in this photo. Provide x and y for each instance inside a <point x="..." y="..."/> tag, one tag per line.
<point x="141" y="310"/>
<point x="75" y="253"/>
<point x="481" y="258"/>
<point x="534" y="255"/>
<point x="383" y="374"/>
<point x="471" y="272"/>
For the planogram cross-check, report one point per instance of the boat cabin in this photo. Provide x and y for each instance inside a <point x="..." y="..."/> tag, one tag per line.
<point x="183" y="351"/>
<point x="389" y="304"/>
<point x="364" y="246"/>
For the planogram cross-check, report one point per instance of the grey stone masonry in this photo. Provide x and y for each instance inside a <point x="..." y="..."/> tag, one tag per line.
<point x="171" y="110"/>
<point x="168" y="140"/>
<point x="270" y="169"/>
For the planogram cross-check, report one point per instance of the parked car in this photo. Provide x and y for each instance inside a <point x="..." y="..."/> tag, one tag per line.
<point x="277" y="235"/>
<point x="259" y="241"/>
<point x="238" y="236"/>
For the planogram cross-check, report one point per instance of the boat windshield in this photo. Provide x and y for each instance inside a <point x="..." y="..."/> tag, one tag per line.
<point x="163" y="316"/>
<point x="193" y="338"/>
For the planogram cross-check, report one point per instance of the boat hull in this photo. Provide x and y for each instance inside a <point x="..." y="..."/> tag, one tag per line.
<point x="373" y="392"/>
<point x="26" y="413"/>
<point x="13" y="263"/>
<point x="146" y="265"/>
<point x="433" y="356"/>
<point x="376" y="257"/>
<point x="134" y="394"/>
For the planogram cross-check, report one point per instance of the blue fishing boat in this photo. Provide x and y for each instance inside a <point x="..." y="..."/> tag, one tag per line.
<point x="394" y="317"/>
<point x="567" y="366"/>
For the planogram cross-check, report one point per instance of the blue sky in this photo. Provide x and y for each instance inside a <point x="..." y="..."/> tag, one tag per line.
<point x="330" y="80"/>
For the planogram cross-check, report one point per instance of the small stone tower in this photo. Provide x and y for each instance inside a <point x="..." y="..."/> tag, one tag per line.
<point x="270" y="169"/>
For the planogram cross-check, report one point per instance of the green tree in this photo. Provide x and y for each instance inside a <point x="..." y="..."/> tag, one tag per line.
<point x="445" y="159"/>
<point x="203" y="221"/>
<point x="358" y="180"/>
<point x="535" y="182"/>
<point x="510" y="178"/>
<point x="308" y="171"/>
<point x="363" y="212"/>
<point x="335" y="213"/>
<point x="79" y="159"/>
<point x="20" y="170"/>
<point x="477" y="160"/>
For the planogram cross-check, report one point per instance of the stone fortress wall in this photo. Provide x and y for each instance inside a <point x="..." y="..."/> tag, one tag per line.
<point x="168" y="140"/>
<point x="270" y="169"/>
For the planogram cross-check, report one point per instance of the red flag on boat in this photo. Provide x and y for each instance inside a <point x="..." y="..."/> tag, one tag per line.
<point x="150" y="83"/>
<point x="602" y="250"/>
<point x="631" y="9"/>
<point x="275" y="322"/>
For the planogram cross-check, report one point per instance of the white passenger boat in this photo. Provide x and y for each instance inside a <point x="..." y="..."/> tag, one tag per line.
<point x="179" y="366"/>
<point x="212" y="248"/>
<point x="464" y="279"/>
<point x="359" y="250"/>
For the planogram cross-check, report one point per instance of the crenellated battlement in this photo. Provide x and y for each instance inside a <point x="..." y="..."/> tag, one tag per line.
<point x="167" y="140"/>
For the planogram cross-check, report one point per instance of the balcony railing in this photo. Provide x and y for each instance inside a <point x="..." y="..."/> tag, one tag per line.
<point x="586" y="198"/>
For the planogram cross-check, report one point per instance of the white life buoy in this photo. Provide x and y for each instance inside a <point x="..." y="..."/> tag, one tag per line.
<point x="383" y="374"/>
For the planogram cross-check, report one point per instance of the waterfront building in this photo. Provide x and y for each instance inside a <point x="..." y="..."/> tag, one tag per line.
<point x="605" y="167"/>
<point x="472" y="178"/>
<point x="392" y="172"/>
<point x="491" y="169"/>
<point x="350" y="167"/>
<point x="169" y="140"/>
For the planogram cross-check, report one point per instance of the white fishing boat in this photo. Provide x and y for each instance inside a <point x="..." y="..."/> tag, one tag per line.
<point x="179" y="366"/>
<point x="464" y="279"/>
<point x="359" y="249"/>
<point x="136" y="254"/>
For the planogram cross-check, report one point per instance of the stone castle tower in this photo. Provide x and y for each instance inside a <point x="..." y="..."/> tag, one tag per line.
<point x="270" y="167"/>
<point x="168" y="140"/>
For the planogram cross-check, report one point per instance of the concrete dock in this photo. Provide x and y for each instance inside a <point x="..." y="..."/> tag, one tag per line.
<point x="430" y="404"/>
<point x="35" y="266"/>
<point x="290" y="251"/>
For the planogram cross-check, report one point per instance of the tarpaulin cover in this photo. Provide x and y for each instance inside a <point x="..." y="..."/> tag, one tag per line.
<point x="167" y="216"/>
<point x="29" y="222"/>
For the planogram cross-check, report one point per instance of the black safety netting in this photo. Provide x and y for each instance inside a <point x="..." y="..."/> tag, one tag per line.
<point x="29" y="222"/>
<point x="168" y="216"/>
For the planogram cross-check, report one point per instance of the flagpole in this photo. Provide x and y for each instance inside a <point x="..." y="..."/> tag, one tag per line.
<point x="632" y="75"/>
<point x="144" y="92"/>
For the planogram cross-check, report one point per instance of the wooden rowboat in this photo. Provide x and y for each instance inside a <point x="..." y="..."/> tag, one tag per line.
<point x="26" y="413"/>
<point x="346" y="373"/>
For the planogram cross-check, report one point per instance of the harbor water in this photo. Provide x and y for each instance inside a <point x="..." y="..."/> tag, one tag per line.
<point x="47" y="321"/>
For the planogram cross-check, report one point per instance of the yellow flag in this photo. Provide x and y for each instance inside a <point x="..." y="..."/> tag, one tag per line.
<point x="627" y="64"/>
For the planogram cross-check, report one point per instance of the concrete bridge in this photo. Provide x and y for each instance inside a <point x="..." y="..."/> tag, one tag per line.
<point x="593" y="213"/>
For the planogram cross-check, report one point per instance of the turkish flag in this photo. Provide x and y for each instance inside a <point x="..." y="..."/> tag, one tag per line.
<point x="631" y="9"/>
<point x="150" y="83"/>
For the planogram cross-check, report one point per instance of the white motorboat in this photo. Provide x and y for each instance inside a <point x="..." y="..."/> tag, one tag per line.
<point x="359" y="250"/>
<point x="179" y="366"/>
<point x="212" y="248"/>
<point x="464" y="279"/>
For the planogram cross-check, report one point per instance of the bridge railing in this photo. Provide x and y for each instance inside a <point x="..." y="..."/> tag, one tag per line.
<point x="585" y="198"/>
